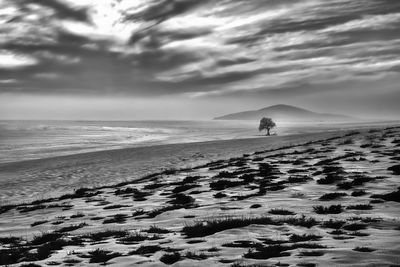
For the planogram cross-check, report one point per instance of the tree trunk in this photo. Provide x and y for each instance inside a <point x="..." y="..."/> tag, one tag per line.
<point x="268" y="131"/>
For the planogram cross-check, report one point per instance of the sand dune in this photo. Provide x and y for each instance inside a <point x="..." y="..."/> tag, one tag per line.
<point x="309" y="200"/>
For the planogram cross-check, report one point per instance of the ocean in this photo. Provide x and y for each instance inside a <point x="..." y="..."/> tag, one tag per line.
<point x="26" y="140"/>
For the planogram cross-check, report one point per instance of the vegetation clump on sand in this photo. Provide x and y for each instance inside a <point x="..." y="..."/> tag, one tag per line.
<point x="332" y="196"/>
<point x="101" y="256"/>
<point x="333" y="209"/>
<point x="393" y="196"/>
<point x="395" y="169"/>
<point x="281" y="212"/>
<point x="170" y="258"/>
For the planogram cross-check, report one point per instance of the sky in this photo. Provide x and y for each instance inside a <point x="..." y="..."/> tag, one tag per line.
<point x="197" y="59"/>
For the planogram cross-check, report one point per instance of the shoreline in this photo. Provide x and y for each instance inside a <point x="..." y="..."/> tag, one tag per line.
<point x="63" y="174"/>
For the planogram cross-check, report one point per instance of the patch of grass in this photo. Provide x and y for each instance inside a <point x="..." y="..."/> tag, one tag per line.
<point x="333" y="224"/>
<point x="205" y="228"/>
<point x="183" y="187"/>
<point x="156" y="212"/>
<point x="296" y="170"/>
<point x="143" y="250"/>
<point x="225" y="174"/>
<point x="304" y="238"/>
<point x="98" y="236"/>
<point x="181" y="199"/>
<point x="138" y="212"/>
<point x="80" y="193"/>
<point x="333" y="209"/>
<point x="170" y="258"/>
<point x="330" y="178"/>
<point x="77" y="215"/>
<point x="332" y="169"/>
<point x="354" y="226"/>
<point x="38" y="223"/>
<point x="337" y="232"/>
<point x="306" y="264"/>
<point x="72" y="261"/>
<point x="360" y="207"/>
<point x="157" y="230"/>
<point x="115" y="206"/>
<point x="213" y="249"/>
<point x="71" y="227"/>
<point x="311" y="253"/>
<point x="395" y="169"/>
<point x="255" y="206"/>
<point x="301" y="221"/>
<point x="196" y="256"/>
<point x="11" y="240"/>
<point x="29" y="208"/>
<point x="281" y="212"/>
<point x="393" y="196"/>
<point x="363" y="249"/>
<point x="241" y="244"/>
<point x="247" y="178"/>
<point x="348" y="141"/>
<point x="268" y="252"/>
<point x="358" y="193"/>
<point x="220" y="195"/>
<point x="102" y="256"/>
<point x="332" y="196"/>
<point x="222" y="184"/>
<point x="117" y="218"/>
<point x="191" y="179"/>
<point x="132" y="238"/>
<point x="299" y="179"/>
<point x="45" y="237"/>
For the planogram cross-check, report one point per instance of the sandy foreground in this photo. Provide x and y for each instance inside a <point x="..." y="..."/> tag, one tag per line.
<point x="326" y="199"/>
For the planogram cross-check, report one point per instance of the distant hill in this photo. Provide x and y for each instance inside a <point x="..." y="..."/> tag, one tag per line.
<point x="285" y="113"/>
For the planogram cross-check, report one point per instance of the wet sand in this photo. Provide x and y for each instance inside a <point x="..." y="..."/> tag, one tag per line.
<point x="36" y="179"/>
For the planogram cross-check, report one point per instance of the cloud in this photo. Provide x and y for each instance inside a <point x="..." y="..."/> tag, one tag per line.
<point x="204" y="48"/>
<point x="62" y="10"/>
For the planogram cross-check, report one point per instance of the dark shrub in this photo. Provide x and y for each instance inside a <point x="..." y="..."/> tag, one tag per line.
<point x="333" y="209"/>
<point x="267" y="252"/>
<point x="303" y="238"/>
<point x="200" y="229"/>
<point x="219" y="195"/>
<point x="363" y="249"/>
<point x="355" y="226"/>
<point x="181" y="199"/>
<point x="221" y="184"/>
<point x="170" y="258"/>
<point x="142" y="250"/>
<point x="395" y="169"/>
<point x="102" y="256"/>
<point x="393" y="196"/>
<point x="281" y="212"/>
<point x="359" y="207"/>
<point x="358" y="193"/>
<point x="332" y="196"/>
<point x="334" y="224"/>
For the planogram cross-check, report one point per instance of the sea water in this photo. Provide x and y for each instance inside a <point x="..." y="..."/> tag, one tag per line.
<point x="26" y="140"/>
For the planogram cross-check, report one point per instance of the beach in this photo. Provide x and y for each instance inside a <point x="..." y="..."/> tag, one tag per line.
<point x="315" y="199"/>
<point x="29" y="180"/>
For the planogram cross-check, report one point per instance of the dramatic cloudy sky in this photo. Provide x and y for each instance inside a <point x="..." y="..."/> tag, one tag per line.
<point x="148" y="59"/>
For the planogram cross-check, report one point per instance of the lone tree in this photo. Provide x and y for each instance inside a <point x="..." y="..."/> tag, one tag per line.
<point x="266" y="124"/>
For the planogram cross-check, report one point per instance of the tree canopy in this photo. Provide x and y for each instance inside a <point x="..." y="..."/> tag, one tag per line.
<point x="266" y="124"/>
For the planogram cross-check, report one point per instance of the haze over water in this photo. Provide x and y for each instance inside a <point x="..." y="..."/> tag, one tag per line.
<point x="25" y="140"/>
